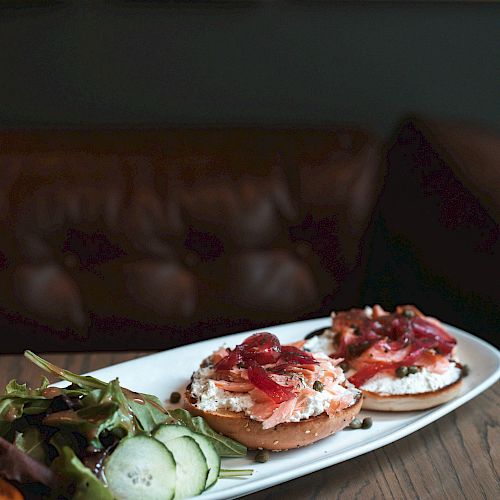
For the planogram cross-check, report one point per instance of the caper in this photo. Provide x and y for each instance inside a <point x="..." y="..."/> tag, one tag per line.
<point x="344" y="365"/>
<point x="367" y="423"/>
<point x="408" y="313"/>
<point x="402" y="371"/>
<point x="356" y="424"/>
<point x="262" y="456"/>
<point x="318" y="386"/>
<point x="465" y="370"/>
<point x="175" y="397"/>
<point x="412" y="369"/>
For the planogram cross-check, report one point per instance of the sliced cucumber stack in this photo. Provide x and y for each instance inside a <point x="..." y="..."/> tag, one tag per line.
<point x="192" y="470"/>
<point x="174" y="463"/>
<point x="166" y="433"/>
<point x="141" y="467"/>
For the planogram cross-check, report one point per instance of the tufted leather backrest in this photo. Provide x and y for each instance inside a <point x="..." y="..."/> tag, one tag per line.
<point x="148" y="239"/>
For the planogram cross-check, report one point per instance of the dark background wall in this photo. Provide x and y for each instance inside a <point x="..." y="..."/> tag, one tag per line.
<point x="120" y="63"/>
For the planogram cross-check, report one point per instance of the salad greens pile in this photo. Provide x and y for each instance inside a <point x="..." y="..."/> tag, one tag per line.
<point x="60" y="440"/>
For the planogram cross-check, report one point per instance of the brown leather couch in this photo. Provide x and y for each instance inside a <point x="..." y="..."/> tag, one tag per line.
<point x="150" y="239"/>
<point x="124" y="239"/>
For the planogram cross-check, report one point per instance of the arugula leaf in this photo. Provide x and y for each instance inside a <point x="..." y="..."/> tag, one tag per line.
<point x="83" y="381"/>
<point x="112" y="393"/>
<point x="154" y="401"/>
<point x="123" y="409"/>
<point x="9" y="412"/>
<point x="90" y="383"/>
<point x="13" y="388"/>
<point x="226" y="447"/>
<point x="81" y="482"/>
<point x="19" y="399"/>
<point x="101" y="410"/>
<point x="63" y="439"/>
<point x="89" y="422"/>
<point x="31" y="441"/>
<point x="145" y="410"/>
<point x="147" y="416"/>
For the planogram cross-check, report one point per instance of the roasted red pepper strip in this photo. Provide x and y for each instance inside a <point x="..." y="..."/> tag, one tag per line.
<point x="231" y="360"/>
<point x="291" y="355"/>
<point x="265" y="348"/>
<point x="427" y="331"/>
<point x="403" y="328"/>
<point x="260" y="379"/>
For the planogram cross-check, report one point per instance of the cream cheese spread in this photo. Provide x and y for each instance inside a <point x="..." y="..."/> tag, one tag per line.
<point x="416" y="383"/>
<point x="320" y="343"/>
<point x="210" y="398"/>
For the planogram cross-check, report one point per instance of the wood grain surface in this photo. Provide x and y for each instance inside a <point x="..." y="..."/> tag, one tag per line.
<point x="457" y="457"/>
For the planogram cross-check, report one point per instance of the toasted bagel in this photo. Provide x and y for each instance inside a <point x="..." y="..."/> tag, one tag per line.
<point x="281" y="437"/>
<point x="363" y="339"/>
<point x="411" y="402"/>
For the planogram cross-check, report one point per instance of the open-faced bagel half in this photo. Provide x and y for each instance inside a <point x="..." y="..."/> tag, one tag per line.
<point x="411" y="402"/>
<point x="372" y="341"/>
<point x="281" y="437"/>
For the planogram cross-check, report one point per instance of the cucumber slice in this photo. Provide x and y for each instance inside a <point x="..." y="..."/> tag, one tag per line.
<point x="141" y="467"/>
<point x="211" y="457"/>
<point x="192" y="469"/>
<point x="167" y="432"/>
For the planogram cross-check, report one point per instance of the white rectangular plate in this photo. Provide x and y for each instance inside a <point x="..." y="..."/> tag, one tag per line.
<point x="168" y="371"/>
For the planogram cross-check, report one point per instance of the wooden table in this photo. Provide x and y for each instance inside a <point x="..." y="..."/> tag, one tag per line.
<point x="457" y="457"/>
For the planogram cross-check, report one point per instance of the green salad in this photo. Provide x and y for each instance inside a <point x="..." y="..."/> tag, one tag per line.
<point x="97" y="440"/>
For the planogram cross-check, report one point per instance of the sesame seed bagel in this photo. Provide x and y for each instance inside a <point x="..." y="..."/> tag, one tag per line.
<point x="281" y="437"/>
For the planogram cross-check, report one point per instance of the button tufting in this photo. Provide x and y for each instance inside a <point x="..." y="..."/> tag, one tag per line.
<point x="178" y="229"/>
